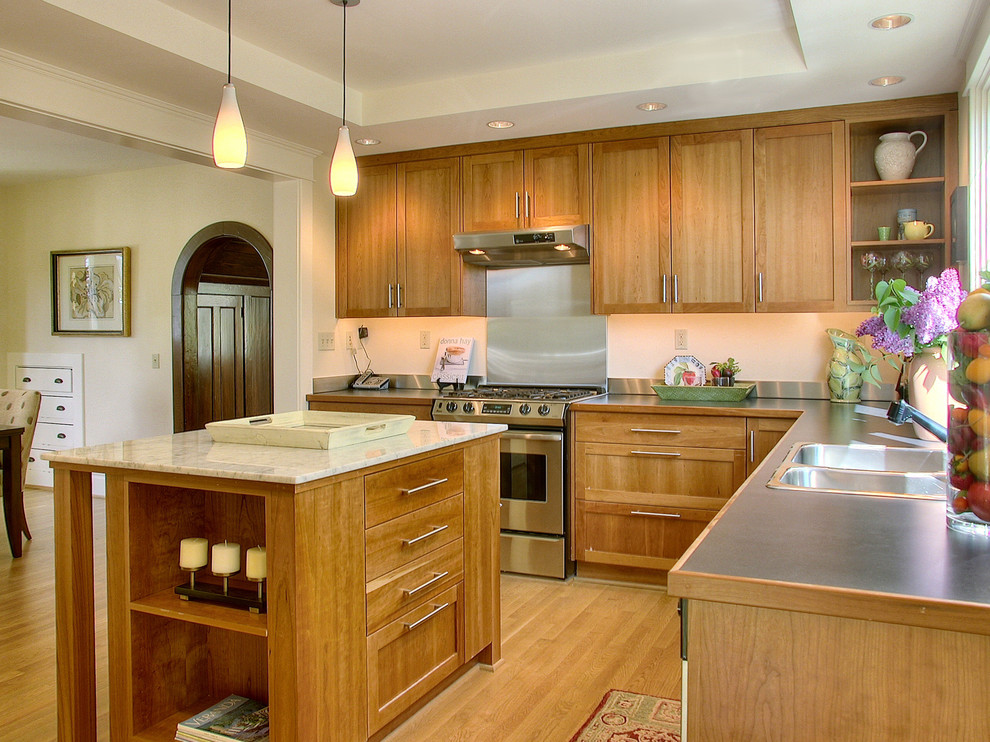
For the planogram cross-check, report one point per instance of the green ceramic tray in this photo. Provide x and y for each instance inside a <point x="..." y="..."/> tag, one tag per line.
<point x="705" y="393"/>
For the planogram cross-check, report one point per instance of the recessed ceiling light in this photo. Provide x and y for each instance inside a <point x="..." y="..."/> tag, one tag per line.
<point x="500" y="124"/>
<point x="888" y="22"/>
<point x="368" y="142"/>
<point x="882" y="82"/>
<point x="651" y="106"/>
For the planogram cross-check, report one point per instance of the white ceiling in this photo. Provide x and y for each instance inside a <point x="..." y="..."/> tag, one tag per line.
<point x="423" y="73"/>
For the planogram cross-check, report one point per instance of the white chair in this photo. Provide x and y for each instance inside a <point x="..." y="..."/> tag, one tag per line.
<point x="20" y="408"/>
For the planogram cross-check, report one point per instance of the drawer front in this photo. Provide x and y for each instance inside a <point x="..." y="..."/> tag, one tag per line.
<point x="57" y="409"/>
<point x="409" y="585"/>
<point x="658" y="475"/>
<point x="636" y="535"/>
<point x="401" y="540"/>
<point x="402" y="489"/>
<point x="55" y="436"/>
<point x="410" y="656"/>
<point x="661" y="430"/>
<point x="43" y="379"/>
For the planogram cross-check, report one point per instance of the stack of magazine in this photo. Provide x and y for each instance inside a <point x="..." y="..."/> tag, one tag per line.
<point x="234" y="718"/>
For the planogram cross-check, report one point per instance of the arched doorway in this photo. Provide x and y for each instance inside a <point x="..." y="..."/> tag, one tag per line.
<point x="222" y="326"/>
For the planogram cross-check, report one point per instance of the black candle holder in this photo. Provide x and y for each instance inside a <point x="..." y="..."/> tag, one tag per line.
<point x="224" y="594"/>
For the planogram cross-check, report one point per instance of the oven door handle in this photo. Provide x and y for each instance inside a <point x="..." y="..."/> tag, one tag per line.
<point x="516" y="435"/>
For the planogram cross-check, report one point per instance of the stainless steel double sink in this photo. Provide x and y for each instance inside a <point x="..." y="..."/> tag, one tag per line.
<point x="861" y="469"/>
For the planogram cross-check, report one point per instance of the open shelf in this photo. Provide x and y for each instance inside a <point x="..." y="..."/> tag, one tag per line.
<point x="909" y="185"/>
<point x="167" y="604"/>
<point x="896" y="244"/>
<point x="164" y="730"/>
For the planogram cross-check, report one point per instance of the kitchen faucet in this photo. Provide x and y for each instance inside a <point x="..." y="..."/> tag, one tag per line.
<point x="901" y="412"/>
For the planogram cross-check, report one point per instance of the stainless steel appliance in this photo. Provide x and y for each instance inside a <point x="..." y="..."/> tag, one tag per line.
<point x="544" y="350"/>
<point x="519" y="249"/>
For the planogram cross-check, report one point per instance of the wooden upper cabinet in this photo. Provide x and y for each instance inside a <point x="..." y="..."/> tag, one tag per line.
<point x="538" y="188"/>
<point x="428" y="215"/>
<point x="366" y="243"/>
<point x="711" y="221"/>
<point x="631" y="205"/>
<point x="800" y="217"/>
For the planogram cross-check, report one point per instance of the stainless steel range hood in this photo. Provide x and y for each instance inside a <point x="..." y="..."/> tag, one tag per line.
<point x="525" y="248"/>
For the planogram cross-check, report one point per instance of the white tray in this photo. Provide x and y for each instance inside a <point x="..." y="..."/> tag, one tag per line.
<point x="309" y="428"/>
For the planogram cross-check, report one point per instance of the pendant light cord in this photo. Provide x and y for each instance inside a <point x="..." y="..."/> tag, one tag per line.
<point x="343" y="72"/>
<point x="229" y="3"/>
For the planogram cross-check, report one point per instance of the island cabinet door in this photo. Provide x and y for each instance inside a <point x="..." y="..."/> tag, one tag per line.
<point x="409" y="656"/>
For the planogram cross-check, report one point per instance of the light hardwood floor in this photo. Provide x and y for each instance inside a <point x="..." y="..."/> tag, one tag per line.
<point x="563" y="646"/>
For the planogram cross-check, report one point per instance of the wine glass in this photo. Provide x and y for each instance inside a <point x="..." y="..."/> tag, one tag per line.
<point x="920" y="263"/>
<point x="902" y="261"/>
<point x="874" y="263"/>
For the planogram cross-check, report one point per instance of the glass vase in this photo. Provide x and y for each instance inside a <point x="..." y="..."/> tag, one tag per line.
<point x="968" y="485"/>
<point x="844" y="378"/>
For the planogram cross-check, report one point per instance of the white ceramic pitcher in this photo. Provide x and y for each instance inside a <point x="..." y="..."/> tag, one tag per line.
<point x="895" y="155"/>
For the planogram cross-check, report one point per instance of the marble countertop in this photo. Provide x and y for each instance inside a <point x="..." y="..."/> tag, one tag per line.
<point x="195" y="453"/>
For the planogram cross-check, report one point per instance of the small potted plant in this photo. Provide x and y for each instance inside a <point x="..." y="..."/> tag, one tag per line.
<point x="724" y="372"/>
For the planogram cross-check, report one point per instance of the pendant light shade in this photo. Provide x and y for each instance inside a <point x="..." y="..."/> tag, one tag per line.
<point x="343" y="166"/>
<point x="229" y="139"/>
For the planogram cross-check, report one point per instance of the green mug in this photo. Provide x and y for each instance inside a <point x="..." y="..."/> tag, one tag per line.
<point x="884" y="233"/>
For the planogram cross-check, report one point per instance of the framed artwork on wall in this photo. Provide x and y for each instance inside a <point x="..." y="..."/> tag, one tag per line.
<point x="91" y="292"/>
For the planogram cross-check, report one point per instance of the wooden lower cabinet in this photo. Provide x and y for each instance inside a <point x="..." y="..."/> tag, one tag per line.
<point x="763" y="434"/>
<point x="385" y="405"/>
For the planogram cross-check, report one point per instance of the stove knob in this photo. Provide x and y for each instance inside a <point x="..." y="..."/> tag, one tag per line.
<point x="451" y="406"/>
<point x="524" y="409"/>
<point x="469" y="406"/>
<point x="544" y="409"/>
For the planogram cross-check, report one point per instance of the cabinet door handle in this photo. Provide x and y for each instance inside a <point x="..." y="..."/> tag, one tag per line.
<point x="434" y="532"/>
<point x="655" y="453"/>
<point x="428" y="616"/>
<point x="651" y="430"/>
<point x="398" y="294"/>
<point x="437" y="576"/>
<point x="517" y="204"/>
<point x="390" y="296"/>
<point x="431" y="483"/>
<point x="527" y="204"/>
<point x="59" y="381"/>
<point x="60" y="436"/>
<point x="759" y="284"/>
<point x="656" y="515"/>
<point x="664" y="288"/>
<point x="752" y="445"/>
<point x="26" y="380"/>
<point x="676" y="298"/>
<point x="60" y="408"/>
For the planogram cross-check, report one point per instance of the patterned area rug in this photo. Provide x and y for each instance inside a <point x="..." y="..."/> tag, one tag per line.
<point x="632" y="717"/>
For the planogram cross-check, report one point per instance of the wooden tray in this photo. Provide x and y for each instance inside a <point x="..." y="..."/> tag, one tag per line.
<point x="309" y="429"/>
<point x="735" y="393"/>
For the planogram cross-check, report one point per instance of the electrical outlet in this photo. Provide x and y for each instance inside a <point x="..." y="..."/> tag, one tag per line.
<point x="349" y="340"/>
<point x="325" y="341"/>
<point x="156" y="360"/>
<point x="424" y="339"/>
<point x="680" y="340"/>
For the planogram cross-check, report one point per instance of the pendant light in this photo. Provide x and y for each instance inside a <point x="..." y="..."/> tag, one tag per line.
<point x="229" y="139"/>
<point x="343" y="166"/>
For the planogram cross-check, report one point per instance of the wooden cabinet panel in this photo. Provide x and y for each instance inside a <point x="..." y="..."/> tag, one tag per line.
<point x="493" y="191"/>
<point x="366" y="246"/>
<point x="800" y="217"/>
<point x="764" y="433"/>
<point x="408" y="487"/>
<point x="557" y="186"/>
<point x="635" y="535"/>
<point x="420" y="410"/>
<point x="631" y="208"/>
<point x="428" y="214"/>
<point x="658" y="475"/>
<point x="711" y="218"/>
<point x="412" y="654"/>
<point x="662" y="430"/>
<point x="401" y="540"/>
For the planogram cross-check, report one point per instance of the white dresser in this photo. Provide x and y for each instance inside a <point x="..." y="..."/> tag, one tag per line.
<point x="59" y="378"/>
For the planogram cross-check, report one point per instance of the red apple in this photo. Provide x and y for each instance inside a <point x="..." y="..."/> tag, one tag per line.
<point x="978" y="498"/>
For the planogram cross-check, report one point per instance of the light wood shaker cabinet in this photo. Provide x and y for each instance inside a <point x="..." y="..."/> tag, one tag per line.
<point x="537" y="188"/>
<point x="800" y="217"/>
<point x="395" y="253"/>
<point x="631" y="204"/>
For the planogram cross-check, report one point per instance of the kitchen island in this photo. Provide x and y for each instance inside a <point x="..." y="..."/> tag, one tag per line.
<point x="830" y="616"/>
<point x="366" y="617"/>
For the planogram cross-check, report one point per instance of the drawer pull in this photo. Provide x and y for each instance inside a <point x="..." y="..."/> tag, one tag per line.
<point x="26" y="380"/>
<point x="656" y="515"/>
<point x="656" y="453"/>
<point x="60" y="408"/>
<point x="437" y="576"/>
<point x="59" y="381"/>
<point x="428" y="616"/>
<point x="31" y="459"/>
<point x="432" y="483"/>
<point x="434" y="532"/>
<point x="60" y="436"/>
<point x="651" y="430"/>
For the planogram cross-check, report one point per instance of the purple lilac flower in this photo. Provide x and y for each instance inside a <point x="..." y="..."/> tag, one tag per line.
<point x="884" y="338"/>
<point x="935" y="313"/>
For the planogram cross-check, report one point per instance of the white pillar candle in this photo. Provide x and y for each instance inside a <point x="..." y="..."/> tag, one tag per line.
<point x="257" y="563"/>
<point x="193" y="553"/>
<point x="226" y="558"/>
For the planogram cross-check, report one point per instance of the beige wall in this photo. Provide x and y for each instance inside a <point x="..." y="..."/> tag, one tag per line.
<point x="154" y="212"/>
